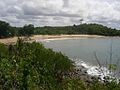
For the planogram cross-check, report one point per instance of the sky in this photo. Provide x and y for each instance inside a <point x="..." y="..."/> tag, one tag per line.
<point x="60" y="12"/>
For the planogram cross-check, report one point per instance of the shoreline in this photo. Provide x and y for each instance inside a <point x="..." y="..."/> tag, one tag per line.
<point x="34" y="37"/>
<point x="80" y="72"/>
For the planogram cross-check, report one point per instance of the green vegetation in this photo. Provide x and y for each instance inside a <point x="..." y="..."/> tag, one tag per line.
<point x="92" y="29"/>
<point x="27" y="30"/>
<point x="8" y="31"/>
<point x="31" y="66"/>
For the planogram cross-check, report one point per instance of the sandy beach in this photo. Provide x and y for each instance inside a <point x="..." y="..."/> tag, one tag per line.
<point x="34" y="37"/>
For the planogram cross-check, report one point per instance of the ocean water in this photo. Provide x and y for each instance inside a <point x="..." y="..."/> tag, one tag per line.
<point x="95" y="54"/>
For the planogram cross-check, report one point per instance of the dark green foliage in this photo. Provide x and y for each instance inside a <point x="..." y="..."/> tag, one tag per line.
<point x="8" y="31"/>
<point x="27" y="30"/>
<point x="4" y="29"/>
<point x="92" y="29"/>
<point x="103" y="86"/>
<point x="30" y="65"/>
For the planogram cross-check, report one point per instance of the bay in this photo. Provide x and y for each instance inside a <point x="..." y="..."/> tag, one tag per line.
<point x="90" y="52"/>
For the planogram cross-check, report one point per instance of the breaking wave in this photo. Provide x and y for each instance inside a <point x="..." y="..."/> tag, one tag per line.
<point x="92" y="70"/>
<point x="53" y="39"/>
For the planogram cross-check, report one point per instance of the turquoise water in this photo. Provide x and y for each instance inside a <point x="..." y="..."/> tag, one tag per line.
<point x="107" y="50"/>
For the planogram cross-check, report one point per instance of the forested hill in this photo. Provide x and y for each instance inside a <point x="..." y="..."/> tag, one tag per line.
<point x="96" y="29"/>
<point x="6" y="30"/>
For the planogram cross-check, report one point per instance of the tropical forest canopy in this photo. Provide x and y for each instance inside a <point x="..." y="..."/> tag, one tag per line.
<point x="6" y="30"/>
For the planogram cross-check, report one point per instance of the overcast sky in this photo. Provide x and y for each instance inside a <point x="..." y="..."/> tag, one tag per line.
<point x="60" y="12"/>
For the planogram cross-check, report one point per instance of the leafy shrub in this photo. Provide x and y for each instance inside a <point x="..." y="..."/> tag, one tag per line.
<point x="30" y="65"/>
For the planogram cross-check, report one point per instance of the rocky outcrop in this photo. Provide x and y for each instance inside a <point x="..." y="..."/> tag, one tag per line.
<point x="80" y="73"/>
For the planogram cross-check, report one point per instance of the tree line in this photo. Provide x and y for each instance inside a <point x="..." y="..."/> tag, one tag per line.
<point x="6" y="30"/>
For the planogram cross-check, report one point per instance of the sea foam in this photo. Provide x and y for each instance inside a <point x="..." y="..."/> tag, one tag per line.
<point x="54" y="39"/>
<point x="92" y="70"/>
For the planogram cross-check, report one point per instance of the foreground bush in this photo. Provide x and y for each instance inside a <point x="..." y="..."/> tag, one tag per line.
<point x="30" y="65"/>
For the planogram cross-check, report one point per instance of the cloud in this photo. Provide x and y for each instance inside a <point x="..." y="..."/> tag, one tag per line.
<point x="66" y="3"/>
<point x="60" y="12"/>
